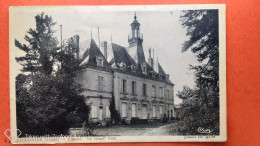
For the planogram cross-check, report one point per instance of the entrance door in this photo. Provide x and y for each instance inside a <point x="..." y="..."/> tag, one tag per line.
<point x="133" y="109"/>
<point x="123" y="109"/>
<point x="144" y="113"/>
<point x="100" y="113"/>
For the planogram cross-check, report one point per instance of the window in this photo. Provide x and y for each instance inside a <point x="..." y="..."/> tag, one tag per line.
<point x="144" y="68"/>
<point x="122" y="66"/>
<point x="144" y="90"/>
<point x="161" y="91"/>
<point x="123" y="109"/>
<point x="153" y="91"/>
<point x="100" y="113"/>
<point x="160" y="76"/>
<point x="100" y="62"/>
<point x="107" y="112"/>
<point x="154" y="115"/>
<point x="161" y="109"/>
<point x="133" y="110"/>
<point x="94" y="111"/>
<point x="167" y="94"/>
<point x="100" y="83"/>
<point x="133" y="87"/>
<point x="123" y="86"/>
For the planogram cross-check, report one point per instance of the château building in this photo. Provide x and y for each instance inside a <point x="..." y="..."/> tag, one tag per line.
<point x="141" y="87"/>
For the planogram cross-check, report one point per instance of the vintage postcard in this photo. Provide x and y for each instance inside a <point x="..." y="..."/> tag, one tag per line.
<point x="101" y="74"/>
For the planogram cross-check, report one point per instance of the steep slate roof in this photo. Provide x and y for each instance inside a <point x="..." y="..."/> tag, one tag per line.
<point x="161" y="71"/>
<point x="121" y="55"/>
<point x="89" y="56"/>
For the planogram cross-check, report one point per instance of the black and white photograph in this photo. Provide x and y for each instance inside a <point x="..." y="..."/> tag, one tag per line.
<point x="90" y="74"/>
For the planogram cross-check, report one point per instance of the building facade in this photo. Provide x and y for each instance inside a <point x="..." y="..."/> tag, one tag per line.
<point x="141" y="88"/>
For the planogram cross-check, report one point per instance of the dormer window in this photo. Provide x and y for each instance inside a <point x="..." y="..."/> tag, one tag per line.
<point x="153" y="74"/>
<point x="122" y="66"/>
<point x="160" y="76"/>
<point x="99" y="61"/>
<point x="144" y="68"/>
<point x="133" y="68"/>
<point x="167" y="77"/>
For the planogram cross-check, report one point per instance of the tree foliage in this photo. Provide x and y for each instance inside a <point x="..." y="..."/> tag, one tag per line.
<point x="200" y="107"/>
<point x="115" y="116"/>
<point x="49" y="101"/>
<point x="41" y="44"/>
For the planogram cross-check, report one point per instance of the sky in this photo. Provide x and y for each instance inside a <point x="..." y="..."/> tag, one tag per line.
<point x="162" y="31"/>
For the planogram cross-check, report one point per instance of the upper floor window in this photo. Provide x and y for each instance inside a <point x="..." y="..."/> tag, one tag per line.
<point x="160" y="76"/>
<point x="153" y="91"/>
<point x="99" y="61"/>
<point x="161" y="91"/>
<point x="133" y="87"/>
<point x="122" y="66"/>
<point x="167" y="94"/>
<point x="167" y="77"/>
<point x="144" y="68"/>
<point x="123" y="86"/>
<point x="144" y="90"/>
<point x="100" y="83"/>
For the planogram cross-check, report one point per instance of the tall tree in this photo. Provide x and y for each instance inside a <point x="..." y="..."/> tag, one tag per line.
<point x="48" y="101"/>
<point x="203" y="30"/>
<point x="200" y="106"/>
<point x="41" y="44"/>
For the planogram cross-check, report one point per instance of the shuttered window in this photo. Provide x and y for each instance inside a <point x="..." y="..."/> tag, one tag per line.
<point x="133" y="87"/>
<point x="154" y="115"/>
<point x="133" y="110"/>
<point x="94" y="112"/>
<point x="123" y="86"/>
<point x="153" y="91"/>
<point x="144" y="90"/>
<point x="107" y="112"/>
<point x="100" y="83"/>
<point x="123" y="109"/>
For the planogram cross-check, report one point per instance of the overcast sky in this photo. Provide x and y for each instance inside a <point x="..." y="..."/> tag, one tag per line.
<point x="162" y="31"/>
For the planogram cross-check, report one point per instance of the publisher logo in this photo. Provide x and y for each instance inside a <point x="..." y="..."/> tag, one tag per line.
<point x="12" y="135"/>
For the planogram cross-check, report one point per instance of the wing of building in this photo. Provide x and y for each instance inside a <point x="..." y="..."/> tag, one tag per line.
<point x="141" y="88"/>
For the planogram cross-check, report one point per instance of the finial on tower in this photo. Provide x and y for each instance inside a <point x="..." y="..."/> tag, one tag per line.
<point x="135" y="15"/>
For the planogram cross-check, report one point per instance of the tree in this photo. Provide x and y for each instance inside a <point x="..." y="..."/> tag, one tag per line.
<point x="41" y="44"/>
<point x="48" y="101"/>
<point x="200" y="107"/>
<point x="115" y="116"/>
<point x="202" y="27"/>
<point x="186" y="93"/>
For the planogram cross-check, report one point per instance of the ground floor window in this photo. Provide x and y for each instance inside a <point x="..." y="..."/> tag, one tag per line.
<point x="133" y="110"/>
<point x="154" y="115"/>
<point x="144" y="111"/>
<point x="94" y="111"/>
<point x="107" y="112"/>
<point x="100" y="113"/>
<point x="161" y="109"/>
<point x="123" y="109"/>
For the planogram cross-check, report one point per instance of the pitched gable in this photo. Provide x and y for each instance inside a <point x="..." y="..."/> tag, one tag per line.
<point x="91" y="54"/>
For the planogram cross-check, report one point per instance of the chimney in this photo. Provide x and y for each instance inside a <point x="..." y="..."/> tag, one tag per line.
<point x="104" y="48"/>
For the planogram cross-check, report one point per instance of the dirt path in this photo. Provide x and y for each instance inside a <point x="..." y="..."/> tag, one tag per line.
<point x="162" y="130"/>
<point x="127" y="130"/>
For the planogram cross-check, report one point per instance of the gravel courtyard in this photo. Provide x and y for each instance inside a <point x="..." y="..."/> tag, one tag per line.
<point x="154" y="129"/>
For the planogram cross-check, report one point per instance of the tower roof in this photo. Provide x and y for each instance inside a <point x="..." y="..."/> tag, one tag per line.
<point x="135" y="19"/>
